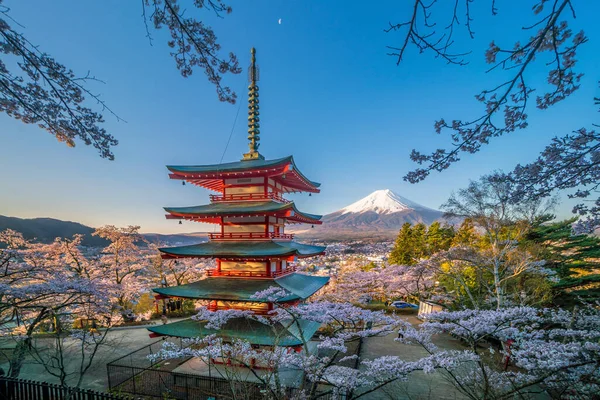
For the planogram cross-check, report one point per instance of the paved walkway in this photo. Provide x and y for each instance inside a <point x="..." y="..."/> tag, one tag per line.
<point x="420" y="386"/>
<point x="119" y="342"/>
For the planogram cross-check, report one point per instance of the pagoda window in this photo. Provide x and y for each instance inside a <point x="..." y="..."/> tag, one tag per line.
<point x="243" y="220"/>
<point x="255" y="267"/>
<point x="246" y="181"/>
<point x="252" y="228"/>
<point x="239" y="190"/>
<point x="273" y="266"/>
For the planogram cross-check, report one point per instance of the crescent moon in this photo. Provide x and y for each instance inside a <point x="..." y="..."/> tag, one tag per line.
<point x="279" y="21"/>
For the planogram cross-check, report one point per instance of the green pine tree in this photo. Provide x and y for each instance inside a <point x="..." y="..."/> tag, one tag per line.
<point x="419" y="238"/>
<point x="402" y="252"/>
<point x="438" y="238"/>
<point x="575" y="258"/>
<point x="466" y="234"/>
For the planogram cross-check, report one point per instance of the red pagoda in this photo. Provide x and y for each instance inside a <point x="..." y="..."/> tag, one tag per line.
<point x="251" y="249"/>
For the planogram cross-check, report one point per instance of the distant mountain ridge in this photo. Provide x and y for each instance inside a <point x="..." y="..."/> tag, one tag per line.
<point x="45" y="230"/>
<point x="378" y="215"/>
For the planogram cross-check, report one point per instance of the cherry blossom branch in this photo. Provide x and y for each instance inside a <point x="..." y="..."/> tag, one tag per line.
<point x="195" y="43"/>
<point x="58" y="110"/>
<point x="510" y="98"/>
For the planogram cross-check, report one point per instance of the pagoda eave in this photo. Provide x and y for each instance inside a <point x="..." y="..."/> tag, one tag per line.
<point x="212" y="177"/>
<point x="298" y="218"/>
<point x="298" y="286"/>
<point x="288" y="334"/>
<point x="215" y="212"/>
<point x="289" y="257"/>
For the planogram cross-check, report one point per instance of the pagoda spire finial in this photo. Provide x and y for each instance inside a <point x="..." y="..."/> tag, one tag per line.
<point x="253" y="114"/>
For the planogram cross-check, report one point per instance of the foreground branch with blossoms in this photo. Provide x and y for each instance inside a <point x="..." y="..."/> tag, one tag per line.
<point x="343" y="323"/>
<point x="539" y="350"/>
<point x="549" y="42"/>
<point x="515" y="351"/>
<point x="35" y="88"/>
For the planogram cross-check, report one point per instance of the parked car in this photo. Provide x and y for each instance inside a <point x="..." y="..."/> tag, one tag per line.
<point x="403" y="304"/>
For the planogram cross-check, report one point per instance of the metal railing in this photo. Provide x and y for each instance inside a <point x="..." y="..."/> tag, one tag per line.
<point x="22" y="389"/>
<point x="168" y="384"/>
<point x="135" y="374"/>
<point x="216" y="198"/>
<point x="250" y="235"/>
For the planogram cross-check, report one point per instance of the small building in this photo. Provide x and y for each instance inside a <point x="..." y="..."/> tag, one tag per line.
<point x="427" y="307"/>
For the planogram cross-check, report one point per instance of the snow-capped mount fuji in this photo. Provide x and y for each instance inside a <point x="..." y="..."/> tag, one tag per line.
<point x="379" y="215"/>
<point x="382" y="202"/>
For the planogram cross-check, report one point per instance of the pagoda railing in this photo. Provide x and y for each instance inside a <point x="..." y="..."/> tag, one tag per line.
<point x="250" y="235"/>
<point x="250" y="274"/>
<point x="215" y="198"/>
<point x="288" y="270"/>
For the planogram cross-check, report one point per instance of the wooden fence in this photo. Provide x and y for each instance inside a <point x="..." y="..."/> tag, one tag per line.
<point x="22" y="389"/>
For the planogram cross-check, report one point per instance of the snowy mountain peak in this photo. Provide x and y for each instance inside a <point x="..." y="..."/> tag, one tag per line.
<point x="382" y="202"/>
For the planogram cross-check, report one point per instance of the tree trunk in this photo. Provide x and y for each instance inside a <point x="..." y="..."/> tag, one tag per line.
<point x="18" y="357"/>
<point x="498" y="285"/>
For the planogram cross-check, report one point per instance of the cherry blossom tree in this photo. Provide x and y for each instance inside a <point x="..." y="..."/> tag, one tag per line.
<point x="571" y="163"/>
<point x="483" y="278"/>
<point x="68" y="351"/>
<point x="42" y="284"/>
<point x="553" y="351"/>
<point x="550" y="42"/>
<point x="37" y="89"/>
<point x="345" y="323"/>
<point x="383" y="283"/>
<point x="174" y="272"/>
<point x="498" y="260"/>
<point x="121" y="262"/>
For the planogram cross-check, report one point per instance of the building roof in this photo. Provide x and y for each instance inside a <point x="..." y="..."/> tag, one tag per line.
<point x="206" y="213"/>
<point x="300" y="287"/>
<point x="282" y="170"/>
<point x="254" y="249"/>
<point x="284" y="334"/>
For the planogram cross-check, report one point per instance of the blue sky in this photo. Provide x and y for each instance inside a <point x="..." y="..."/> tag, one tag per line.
<point x="329" y="95"/>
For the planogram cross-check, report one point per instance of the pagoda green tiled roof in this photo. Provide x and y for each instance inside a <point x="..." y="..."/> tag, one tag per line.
<point x="237" y="166"/>
<point x="284" y="334"/>
<point x="247" y="248"/>
<point x="229" y="167"/>
<point x="241" y="208"/>
<point x="300" y="287"/>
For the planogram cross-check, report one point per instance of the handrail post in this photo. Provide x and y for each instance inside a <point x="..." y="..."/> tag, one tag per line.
<point x="133" y="380"/>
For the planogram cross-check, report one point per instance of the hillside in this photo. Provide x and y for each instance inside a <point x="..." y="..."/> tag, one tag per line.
<point x="45" y="230"/>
